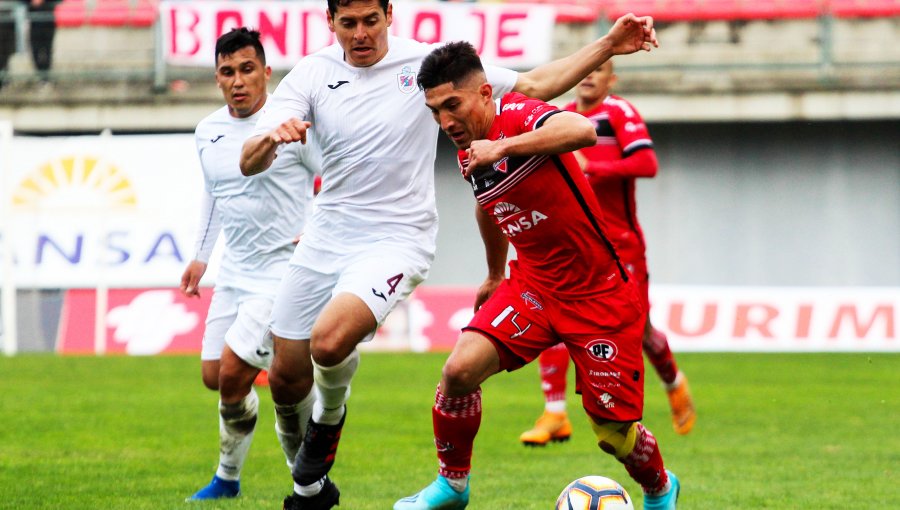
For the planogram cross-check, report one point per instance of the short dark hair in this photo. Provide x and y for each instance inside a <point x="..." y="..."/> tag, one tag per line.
<point x="238" y="39"/>
<point x="334" y="4"/>
<point x="452" y="63"/>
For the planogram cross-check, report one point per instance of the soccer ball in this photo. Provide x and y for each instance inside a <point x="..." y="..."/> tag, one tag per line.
<point x="594" y="493"/>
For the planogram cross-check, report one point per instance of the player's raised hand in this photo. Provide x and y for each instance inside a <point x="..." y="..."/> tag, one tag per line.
<point x="632" y="33"/>
<point x="190" y="279"/>
<point x="292" y="130"/>
<point x="481" y="153"/>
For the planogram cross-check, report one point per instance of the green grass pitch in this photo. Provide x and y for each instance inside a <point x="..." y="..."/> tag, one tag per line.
<point x="778" y="431"/>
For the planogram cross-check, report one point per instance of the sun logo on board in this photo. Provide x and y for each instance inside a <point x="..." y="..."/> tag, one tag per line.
<point x="75" y="182"/>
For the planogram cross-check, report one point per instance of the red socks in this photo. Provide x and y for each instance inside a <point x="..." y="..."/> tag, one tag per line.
<point x="456" y="421"/>
<point x="645" y="463"/>
<point x="656" y="346"/>
<point x="554" y="364"/>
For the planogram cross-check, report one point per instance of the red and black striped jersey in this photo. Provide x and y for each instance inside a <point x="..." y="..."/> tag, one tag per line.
<point x="621" y="132"/>
<point x="546" y="208"/>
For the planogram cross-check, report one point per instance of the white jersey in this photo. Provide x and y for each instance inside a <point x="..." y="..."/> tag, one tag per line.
<point x="260" y="215"/>
<point x="378" y="142"/>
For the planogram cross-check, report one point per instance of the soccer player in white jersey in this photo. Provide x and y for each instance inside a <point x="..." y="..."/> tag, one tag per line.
<point x="371" y="239"/>
<point x="259" y="217"/>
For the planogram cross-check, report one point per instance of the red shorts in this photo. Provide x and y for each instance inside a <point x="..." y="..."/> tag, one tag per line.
<point x="602" y="334"/>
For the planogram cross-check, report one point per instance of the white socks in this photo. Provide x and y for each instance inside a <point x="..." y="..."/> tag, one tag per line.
<point x="555" y="406"/>
<point x="236" y="425"/>
<point x="290" y="425"/>
<point x="309" y="490"/>
<point x="333" y="389"/>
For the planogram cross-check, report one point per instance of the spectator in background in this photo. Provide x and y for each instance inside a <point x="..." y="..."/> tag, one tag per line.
<point x="7" y="40"/>
<point x="43" y="30"/>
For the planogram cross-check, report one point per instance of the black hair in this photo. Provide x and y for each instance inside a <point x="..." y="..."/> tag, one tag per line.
<point x="238" y="39"/>
<point x="452" y="63"/>
<point x="334" y="4"/>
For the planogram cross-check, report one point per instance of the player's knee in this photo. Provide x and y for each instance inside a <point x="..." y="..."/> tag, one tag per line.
<point x="328" y="354"/>
<point x="289" y="387"/>
<point x="615" y="438"/>
<point x="458" y="379"/>
<point x="211" y="381"/>
<point x="329" y="349"/>
<point x="233" y="385"/>
<point x="209" y="372"/>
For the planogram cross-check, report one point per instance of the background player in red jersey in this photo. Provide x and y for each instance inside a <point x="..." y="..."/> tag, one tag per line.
<point x="623" y="153"/>
<point x="566" y="285"/>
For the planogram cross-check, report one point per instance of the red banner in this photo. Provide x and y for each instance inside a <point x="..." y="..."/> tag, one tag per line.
<point x="138" y="322"/>
<point x="762" y="319"/>
<point x="511" y="35"/>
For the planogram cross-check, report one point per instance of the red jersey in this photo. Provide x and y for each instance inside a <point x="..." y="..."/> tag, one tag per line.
<point x="621" y="133"/>
<point x="546" y="208"/>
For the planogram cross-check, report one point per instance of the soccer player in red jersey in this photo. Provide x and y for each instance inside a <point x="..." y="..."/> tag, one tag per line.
<point x="566" y="285"/>
<point x="623" y="153"/>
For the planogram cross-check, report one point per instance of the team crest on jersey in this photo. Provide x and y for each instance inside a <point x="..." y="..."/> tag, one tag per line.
<point x="406" y="80"/>
<point x="502" y="166"/>
<point x="602" y="350"/>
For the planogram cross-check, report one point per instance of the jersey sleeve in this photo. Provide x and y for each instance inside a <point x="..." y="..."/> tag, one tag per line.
<point x="502" y="80"/>
<point x="291" y="99"/>
<point x="521" y="114"/>
<point x="209" y="224"/>
<point x="208" y="228"/>
<point x="628" y="126"/>
<point x="202" y="143"/>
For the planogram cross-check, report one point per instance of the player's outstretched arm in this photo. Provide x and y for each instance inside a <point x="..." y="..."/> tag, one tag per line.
<point x="562" y="132"/>
<point x="258" y="152"/>
<point x="629" y="34"/>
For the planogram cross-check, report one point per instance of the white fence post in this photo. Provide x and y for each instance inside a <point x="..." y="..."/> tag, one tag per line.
<point x="7" y="270"/>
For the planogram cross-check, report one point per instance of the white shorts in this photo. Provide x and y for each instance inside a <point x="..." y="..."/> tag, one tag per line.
<point x="241" y="320"/>
<point x="380" y="275"/>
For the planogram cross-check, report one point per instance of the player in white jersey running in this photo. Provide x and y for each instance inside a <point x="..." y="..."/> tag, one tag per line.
<point x="260" y="217"/>
<point x="371" y="239"/>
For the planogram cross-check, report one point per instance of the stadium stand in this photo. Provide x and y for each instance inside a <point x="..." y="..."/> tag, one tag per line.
<point x="864" y="8"/>
<point x="106" y="13"/>
<point x="143" y="12"/>
<point x="589" y="11"/>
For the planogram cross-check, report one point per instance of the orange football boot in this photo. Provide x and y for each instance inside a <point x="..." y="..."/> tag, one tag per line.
<point x="554" y="427"/>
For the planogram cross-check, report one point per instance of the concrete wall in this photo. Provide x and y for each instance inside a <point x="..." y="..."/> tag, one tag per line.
<point x="740" y="204"/>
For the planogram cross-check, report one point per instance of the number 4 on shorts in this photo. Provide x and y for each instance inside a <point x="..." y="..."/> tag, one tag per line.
<point x="393" y="282"/>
